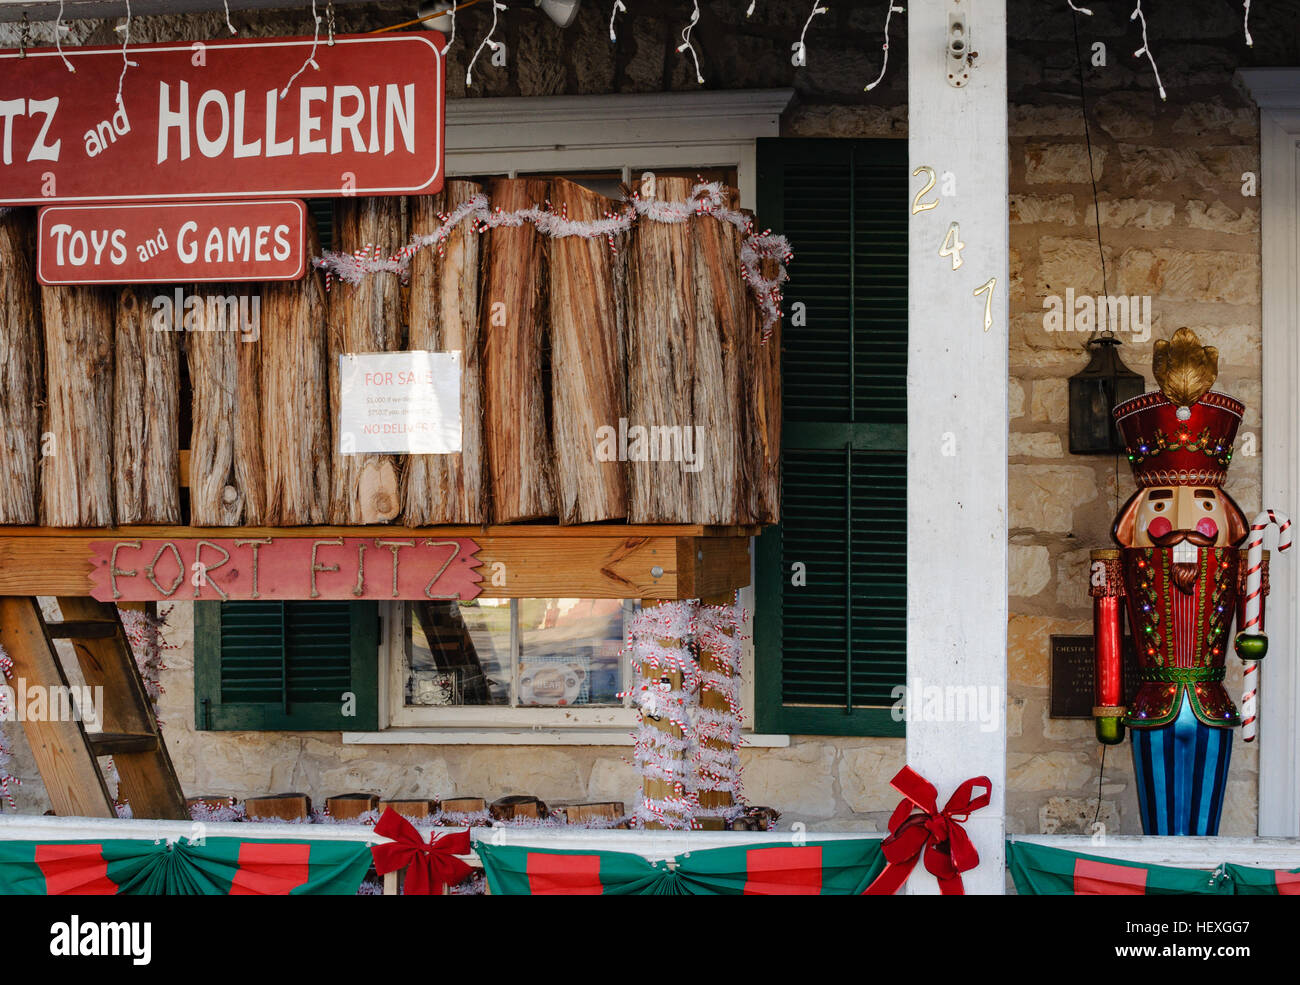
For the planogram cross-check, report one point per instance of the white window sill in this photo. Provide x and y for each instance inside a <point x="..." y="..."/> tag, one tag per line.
<point x="507" y="736"/>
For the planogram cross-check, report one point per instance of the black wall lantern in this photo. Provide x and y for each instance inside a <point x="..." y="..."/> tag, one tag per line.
<point x="1094" y="392"/>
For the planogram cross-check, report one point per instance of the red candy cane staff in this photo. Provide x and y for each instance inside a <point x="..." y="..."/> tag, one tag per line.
<point x="1251" y="643"/>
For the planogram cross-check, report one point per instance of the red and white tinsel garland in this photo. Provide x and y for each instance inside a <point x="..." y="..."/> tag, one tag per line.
<point x="664" y="641"/>
<point x="6" y="753"/>
<point x="706" y="200"/>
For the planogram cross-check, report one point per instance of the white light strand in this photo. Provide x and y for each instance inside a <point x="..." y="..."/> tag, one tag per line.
<point x="311" y="56"/>
<point x="487" y="42"/>
<point x="614" y="12"/>
<point x="803" y="47"/>
<point x="1137" y="15"/>
<point x="226" y="6"/>
<point x="750" y="11"/>
<point x="126" y="63"/>
<point x="1250" y="42"/>
<point x="59" y="28"/>
<point x="706" y="199"/>
<point x="686" y="44"/>
<point x="884" y="64"/>
<point x="452" y="39"/>
<point x="1079" y="10"/>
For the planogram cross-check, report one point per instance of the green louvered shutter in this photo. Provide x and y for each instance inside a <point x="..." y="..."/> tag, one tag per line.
<point x="830" y="652"/>
<point x="286" y="666"/>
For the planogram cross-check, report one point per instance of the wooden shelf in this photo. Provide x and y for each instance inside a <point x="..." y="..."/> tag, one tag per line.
<point x="599" y="561"/>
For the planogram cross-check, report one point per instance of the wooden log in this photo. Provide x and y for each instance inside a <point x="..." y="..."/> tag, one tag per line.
<point x="713" y="701"/>
<point x="146" y="410"/>
<point x="612" y="811"/>
<point x="227" y="473"/>
<point x="756" y="819"/>
<point x="517" y="806"/>
<point x="516" y="427"/>
<point x="22" y="381"/>
<point x="653" y="788"/>
<point x="210" y="802"/>
<point x="350" y="806"/>
<point x="660" y="343"/>
<point x="722" y="374"/>
<point x="295" y="374"/>
<point x="364" y="317"/>
<point x="77" y="474"/>
<point x="588" y="363"/>
<point x="444" y="317"/>
<point x="415" y="807"/>
<point x="464" y="805"/>
<point x="281" y="806"/>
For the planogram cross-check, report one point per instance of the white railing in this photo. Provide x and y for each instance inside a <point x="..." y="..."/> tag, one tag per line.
<point x="1183" y="852"/>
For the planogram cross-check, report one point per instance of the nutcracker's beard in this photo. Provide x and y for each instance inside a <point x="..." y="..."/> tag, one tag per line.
<point x="1185" y="544"/>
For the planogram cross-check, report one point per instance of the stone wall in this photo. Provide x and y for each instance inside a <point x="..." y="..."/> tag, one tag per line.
<point x="1175" y="226"/>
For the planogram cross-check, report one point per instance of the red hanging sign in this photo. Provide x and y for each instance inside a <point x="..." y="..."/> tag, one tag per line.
<point x="168" y="243"/>
<point x="220" y="119"/>
<point x="250" y="568"/>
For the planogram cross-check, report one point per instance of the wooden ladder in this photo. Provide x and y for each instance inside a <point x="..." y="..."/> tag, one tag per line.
<point x="65" y="752"/>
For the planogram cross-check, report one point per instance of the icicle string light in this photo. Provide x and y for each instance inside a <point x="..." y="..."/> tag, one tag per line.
<point x="1140" y="17"/>
<point x="817" y="9"/>
<point x="1079" y="10"/>
<point x="486" y="43"/>
<point x="614" y="12"/>
<point x="311" y="56"/>
<point x="452" y="39"/>
<point x="1250" y="42"/>
<point x="884" y="62"/>
<point x="59" y="28"/>
<point x="226" y="6"/>
<point x="126" y="62"/>
<point x="706" y="200"/>
<point x="750" y="11"/>
<point x="687" y="45"/>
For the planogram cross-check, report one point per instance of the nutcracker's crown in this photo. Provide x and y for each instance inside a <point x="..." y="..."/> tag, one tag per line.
<point x="1169" y="445"/>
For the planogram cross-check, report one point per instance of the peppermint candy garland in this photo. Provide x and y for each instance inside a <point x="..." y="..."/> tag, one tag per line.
<point x="707" y="199"/>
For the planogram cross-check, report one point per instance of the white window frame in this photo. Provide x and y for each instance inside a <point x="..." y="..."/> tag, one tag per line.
<point x="569" y="134"/>
<point x="1277" y="91"/>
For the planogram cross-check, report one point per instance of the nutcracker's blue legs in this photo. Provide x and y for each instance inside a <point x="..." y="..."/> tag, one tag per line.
<point x="1182" y="772"/>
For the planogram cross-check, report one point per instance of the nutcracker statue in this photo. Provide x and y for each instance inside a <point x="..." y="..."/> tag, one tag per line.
<point x="1182" y="577"/>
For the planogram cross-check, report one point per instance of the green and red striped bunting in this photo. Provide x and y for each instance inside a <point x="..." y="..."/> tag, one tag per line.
<point x="217" y="867"/>
<point x="818" y="869"/>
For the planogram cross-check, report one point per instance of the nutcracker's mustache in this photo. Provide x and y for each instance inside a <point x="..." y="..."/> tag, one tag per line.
<point x="1193" y="537"/>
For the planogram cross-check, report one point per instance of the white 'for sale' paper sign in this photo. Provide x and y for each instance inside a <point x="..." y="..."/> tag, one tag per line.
<point x="405" y="403"/>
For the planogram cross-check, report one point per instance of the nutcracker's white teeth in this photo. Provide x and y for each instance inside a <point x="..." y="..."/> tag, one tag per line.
<point x="1184" y="553"/>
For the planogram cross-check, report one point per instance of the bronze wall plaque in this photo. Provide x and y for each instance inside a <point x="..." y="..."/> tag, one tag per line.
<point x="1074" y="671"/>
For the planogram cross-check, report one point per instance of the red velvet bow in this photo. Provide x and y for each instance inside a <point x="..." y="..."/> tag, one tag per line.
<point x="430" y="868"/>
<point x="948" y="849"/>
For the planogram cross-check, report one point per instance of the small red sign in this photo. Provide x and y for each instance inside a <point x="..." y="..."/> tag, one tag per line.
<point x="251" y="568"/>
<point x="221" y="119"/>
<point x="177" y="242"/>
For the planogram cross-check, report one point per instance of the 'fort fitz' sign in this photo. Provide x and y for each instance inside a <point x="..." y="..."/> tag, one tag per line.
<point x="174" y="242"/>
<point x="250" y="568"/>
<point x="220" y="119"/>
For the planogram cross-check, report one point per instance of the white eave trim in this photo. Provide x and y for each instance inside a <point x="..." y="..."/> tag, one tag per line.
<point x="1272" y="88"/>
<point x="506" y="736"/>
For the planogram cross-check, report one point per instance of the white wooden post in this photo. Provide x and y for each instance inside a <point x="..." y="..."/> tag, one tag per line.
<point x="1277" y="91"/>
<point x="957" y="415"/>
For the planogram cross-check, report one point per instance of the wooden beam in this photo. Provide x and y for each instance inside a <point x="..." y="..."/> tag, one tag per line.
<point x="68" y="770"/>
<point x="614" y="562"/>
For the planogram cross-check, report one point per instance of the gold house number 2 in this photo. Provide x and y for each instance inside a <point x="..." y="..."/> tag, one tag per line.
<point x="952" y="245"/>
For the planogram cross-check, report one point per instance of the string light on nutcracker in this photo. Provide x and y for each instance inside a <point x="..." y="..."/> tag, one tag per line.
<point x="706" y="200"/>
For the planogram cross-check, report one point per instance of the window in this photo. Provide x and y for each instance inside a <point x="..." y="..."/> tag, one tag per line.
<point x="523" y="662"/>
<point x="830" y="619"/>
<point x="286" y="666"/>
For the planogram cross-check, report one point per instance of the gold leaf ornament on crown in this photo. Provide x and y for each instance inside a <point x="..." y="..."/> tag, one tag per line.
<point x="1185" y="369"/>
